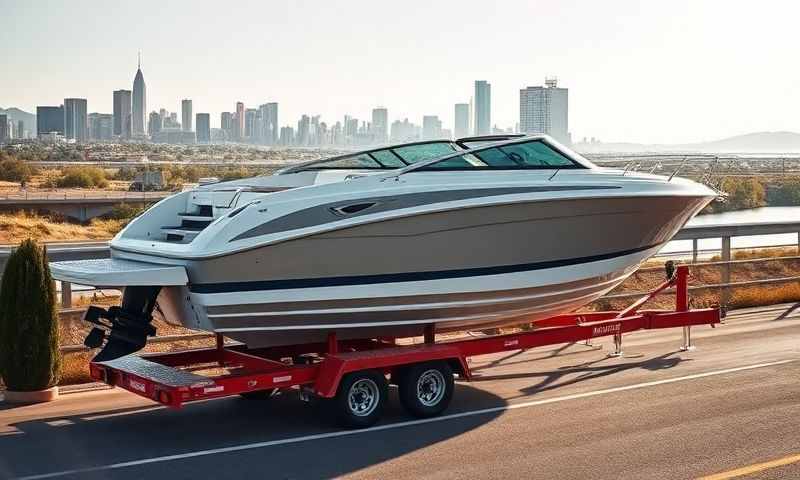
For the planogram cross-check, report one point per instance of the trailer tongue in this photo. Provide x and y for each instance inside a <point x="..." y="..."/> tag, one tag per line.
<point x="353" y="374"/>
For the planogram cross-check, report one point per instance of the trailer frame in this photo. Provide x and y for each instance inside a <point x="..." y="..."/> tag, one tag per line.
<point x="320" y="369"/>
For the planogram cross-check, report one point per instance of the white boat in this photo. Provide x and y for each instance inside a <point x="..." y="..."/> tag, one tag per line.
<point x="476" y="233"/>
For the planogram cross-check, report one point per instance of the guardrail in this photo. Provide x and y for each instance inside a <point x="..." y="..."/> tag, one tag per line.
<point x="66" y="196"/>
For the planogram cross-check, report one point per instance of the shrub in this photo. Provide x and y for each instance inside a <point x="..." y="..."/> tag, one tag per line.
<point x="124" y="211"/>
<point x="82" y="177"/>
<point x="13" y="170"/>
<point x="29" y="354"/>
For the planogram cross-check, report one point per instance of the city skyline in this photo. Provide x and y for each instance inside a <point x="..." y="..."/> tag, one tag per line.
<point x="661" y="77"/>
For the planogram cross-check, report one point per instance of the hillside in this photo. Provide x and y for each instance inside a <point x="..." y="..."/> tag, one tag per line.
<point x="758" y="142"/>
<point x="15" y="114"/>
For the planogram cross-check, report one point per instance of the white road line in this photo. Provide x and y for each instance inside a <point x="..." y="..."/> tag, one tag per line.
<point x="345" y="433"/>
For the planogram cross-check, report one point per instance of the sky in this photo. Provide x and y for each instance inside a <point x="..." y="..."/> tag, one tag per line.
<point x="637" y="71"/>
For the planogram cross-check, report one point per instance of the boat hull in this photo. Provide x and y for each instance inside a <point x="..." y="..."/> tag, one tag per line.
<point x="489" y="266"/>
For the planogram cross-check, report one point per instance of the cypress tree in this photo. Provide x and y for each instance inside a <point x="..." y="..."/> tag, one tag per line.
<point x="29" y="351"/>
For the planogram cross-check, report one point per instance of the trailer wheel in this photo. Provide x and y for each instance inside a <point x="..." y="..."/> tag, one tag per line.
<point x="361" y="398"/>
<point x="426" y="388"/>
<point x="260" y="394"/>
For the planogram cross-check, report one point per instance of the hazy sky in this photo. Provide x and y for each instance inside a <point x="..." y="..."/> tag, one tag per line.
<point x="642" y="71"/>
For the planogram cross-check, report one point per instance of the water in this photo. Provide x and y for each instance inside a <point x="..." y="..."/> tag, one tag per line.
<point x="755" y="215"/>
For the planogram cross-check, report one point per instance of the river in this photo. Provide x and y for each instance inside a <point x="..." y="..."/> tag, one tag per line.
<point x="755" y="215"/>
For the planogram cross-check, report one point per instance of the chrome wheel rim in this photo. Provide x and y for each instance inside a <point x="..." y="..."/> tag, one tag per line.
<point x="363" y="397"/>
<point x="430" y="387"/>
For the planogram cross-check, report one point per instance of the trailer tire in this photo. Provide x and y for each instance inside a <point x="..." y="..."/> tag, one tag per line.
<point x="361" y="398"/>
<point x="425" y="389"/>
<point x="260" y="394"/>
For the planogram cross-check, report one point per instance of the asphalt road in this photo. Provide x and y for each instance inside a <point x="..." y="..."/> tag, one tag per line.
<point x="732" y="405"/>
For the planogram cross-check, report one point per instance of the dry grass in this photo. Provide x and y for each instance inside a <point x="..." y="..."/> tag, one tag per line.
<point x="15" y="227"/>
<point x="760" y="253"/>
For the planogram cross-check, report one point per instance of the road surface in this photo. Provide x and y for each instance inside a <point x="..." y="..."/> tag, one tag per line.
<point x="732" y="407"/>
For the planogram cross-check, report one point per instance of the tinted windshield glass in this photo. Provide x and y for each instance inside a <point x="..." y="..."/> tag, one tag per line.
<point x="388" y="159"/>
<point x="356" y="161"/>
<point x="424" y="151"/>
<point x="534" y="154"/>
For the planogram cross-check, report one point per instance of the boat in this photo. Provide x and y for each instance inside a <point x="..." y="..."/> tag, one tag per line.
<point x="469" y="234"/>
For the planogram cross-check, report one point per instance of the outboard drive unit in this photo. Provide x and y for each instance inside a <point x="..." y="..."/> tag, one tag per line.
<point x="125" y="328"/>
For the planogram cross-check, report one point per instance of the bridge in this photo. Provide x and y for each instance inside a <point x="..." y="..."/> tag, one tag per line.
<point x="80" y="206"/>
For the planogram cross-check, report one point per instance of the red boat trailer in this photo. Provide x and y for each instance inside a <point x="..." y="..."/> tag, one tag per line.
<point x="353" y="373"/>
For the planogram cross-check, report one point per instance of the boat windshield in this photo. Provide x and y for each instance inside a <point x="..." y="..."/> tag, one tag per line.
<point x="521" y="155"/>
<point x="397" y="156"/>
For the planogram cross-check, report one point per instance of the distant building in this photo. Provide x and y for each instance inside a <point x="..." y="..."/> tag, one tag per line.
<point x="147" y="181"/>
<point x="174" y="136"/>
<point x="75" y="120"/>
<point x="461" y="123"/>
<point x="122" y="113"/>
<point x="154" y="123"/>
<point x="431" y="127"/>
<point x="49" y="120"/>
<point x="483" y="107"/>
<point x="286" y="136"/>
<point x="545" y="110"/>
<point x="139" y="103"/>
<point x="203" y="127"/>
<point x="5" y="128"/>
<point x="239" y="124"/>
<point x="404" y="131"/>
<point x="303" y="130"/>
<point x="226" y="124"/>
<point x="21" y="129"/>
<point x="250" y="116"/>
<point x="380" y="124"/>
<point x="101" y="126"/>
<point x="186" y="114"/>
<point x="269" y="117"/>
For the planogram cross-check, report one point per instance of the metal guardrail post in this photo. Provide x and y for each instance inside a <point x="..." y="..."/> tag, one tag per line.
<point x="694" y="250"/>
<point x="66" y="295"/>
<point x="724" y="297"/>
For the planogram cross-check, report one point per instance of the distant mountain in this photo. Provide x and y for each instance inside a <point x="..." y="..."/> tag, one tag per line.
<point x="759" y="142"/>
<point x="15" y="114"/>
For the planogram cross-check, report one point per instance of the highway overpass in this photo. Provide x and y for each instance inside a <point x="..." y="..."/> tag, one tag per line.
<point x="77" y="205"/>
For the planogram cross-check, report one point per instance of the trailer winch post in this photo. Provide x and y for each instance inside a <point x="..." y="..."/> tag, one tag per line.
<point x="682" y="303"/>
<point x="220" y="346"/>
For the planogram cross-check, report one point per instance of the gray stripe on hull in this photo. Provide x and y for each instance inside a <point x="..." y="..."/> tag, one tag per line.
<point x="326" y="213"/>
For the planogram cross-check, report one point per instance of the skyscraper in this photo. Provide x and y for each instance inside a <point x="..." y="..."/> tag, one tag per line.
<point x="271" y="123"/>
<point x="250" y="123"/>
<point x="101" y="126"/>
<point x="483" y="107"/>
<point x="155" y="123"/>
<point x="139" y="103"/>
<point x="226" y="124"/>
<point x="380" y="124"/>
<point x="431" y="127"/>
<point x="186" y="115"/>
<point x="239" y="127"/>
<point x="461" y="122"/>
<point x="75" y="119"/>
<point x="545" y="110"/>
<point x="50" y="119"/>
<point x="203" y="127"/>
<point x="5" y="128"/>
<point x="122" y="113"/>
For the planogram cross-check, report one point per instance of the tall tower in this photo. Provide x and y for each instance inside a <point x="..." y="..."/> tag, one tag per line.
<point x="186" y="115"/>
<point x="545" y="110"/>
<point x="122" y="113"/>
<point x="139" y="106"/>
<point x="239" y="121"/>
<point x="461" y="123"/>
<point x="483" y="107"/>
<point x="380" y="125"/>
<point x="76" y="121"/>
